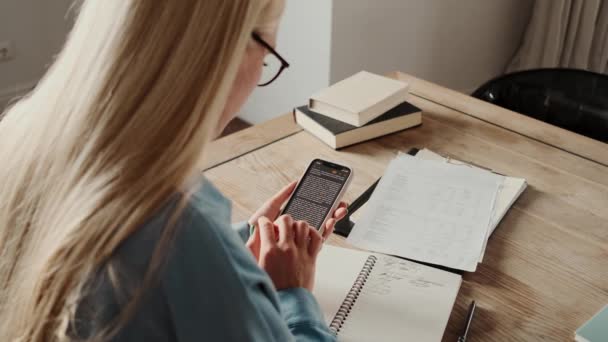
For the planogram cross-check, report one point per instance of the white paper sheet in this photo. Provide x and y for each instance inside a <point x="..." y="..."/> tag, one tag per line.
<point x="429" y="211"/>
<point x="508" y="192"/>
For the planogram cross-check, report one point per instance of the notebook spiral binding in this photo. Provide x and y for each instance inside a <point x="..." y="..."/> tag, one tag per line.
<point x="353" y="294"/>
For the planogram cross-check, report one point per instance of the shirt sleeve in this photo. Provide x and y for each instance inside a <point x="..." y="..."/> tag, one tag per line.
<point x="242" y="229"/>
<point x="303" y="314"/>
<point x="216" y="291"/>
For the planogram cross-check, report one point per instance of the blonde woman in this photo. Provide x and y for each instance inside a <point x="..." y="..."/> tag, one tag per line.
<point x="107" y="230"/>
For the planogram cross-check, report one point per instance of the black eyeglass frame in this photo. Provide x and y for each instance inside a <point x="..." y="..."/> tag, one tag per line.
<point x="284" y="63"/>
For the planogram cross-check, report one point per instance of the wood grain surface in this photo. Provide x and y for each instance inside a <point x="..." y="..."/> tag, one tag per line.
<point x="545" y="271"/>
<point x="247" y="140"/>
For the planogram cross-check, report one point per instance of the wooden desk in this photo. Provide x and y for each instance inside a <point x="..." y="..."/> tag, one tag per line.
<point x="545" y="271"/>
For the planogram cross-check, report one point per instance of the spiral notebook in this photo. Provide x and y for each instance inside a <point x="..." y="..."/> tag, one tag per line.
<point x="374" y="297"/>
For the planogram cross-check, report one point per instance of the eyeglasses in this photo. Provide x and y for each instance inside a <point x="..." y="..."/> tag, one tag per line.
<point x="274" y="64"/>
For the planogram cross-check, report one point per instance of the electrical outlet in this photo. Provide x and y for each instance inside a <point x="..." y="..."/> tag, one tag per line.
<point x="7" y="51"/>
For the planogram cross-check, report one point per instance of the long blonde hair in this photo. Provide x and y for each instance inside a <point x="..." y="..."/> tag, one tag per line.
<point x="113" y="129"/>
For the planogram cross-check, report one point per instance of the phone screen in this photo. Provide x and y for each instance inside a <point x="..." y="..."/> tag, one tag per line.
<point x="317" y="192"/>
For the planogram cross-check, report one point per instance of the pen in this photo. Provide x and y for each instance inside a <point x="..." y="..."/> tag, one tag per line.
<point x="467" y="323"/>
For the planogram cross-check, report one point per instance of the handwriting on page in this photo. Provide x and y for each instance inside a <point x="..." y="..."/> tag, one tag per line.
<point x="428" y="211"/>
<point x="439" y="222"/>
<point x="390" y="272"/>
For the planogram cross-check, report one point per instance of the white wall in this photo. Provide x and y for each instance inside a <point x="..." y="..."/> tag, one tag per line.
<point x="37" y="29"/>
<point x="456" y="43"/>
<point x="304" y="40"/>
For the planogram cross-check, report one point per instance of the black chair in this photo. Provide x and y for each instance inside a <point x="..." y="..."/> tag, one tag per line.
<point x="575" y="100"/>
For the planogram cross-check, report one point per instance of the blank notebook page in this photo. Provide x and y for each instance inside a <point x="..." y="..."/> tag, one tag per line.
<point x="337" y="269"/>
<point x="400" y="301"/>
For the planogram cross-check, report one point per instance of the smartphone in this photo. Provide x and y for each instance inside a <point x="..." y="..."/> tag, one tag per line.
<point x="318" y="193"/>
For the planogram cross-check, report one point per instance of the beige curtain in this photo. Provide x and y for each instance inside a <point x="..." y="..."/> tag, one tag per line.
<point x="565" y="34"/>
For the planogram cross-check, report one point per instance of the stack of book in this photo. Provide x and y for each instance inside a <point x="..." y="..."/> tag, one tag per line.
<point x="359" y="108"/>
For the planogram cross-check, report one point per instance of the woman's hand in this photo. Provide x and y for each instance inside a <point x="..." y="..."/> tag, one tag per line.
<point x="288" y="251"/>
<point x="272" y="208"/>
<point x="330" y="224"/>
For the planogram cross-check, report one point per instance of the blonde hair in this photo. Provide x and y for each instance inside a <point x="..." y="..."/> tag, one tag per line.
<point x="113" y="129"/>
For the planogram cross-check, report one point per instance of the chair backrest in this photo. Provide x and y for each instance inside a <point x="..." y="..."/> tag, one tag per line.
<point x="576" y="100"/>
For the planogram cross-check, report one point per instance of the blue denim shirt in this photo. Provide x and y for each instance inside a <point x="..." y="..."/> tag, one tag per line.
<point x="210" y="287"/>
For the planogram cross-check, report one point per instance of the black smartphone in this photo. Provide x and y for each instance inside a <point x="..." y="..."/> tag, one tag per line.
<point x="318" y="193"/>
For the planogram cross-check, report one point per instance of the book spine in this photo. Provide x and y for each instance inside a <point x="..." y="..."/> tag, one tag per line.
<point x="351" y="298"/>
